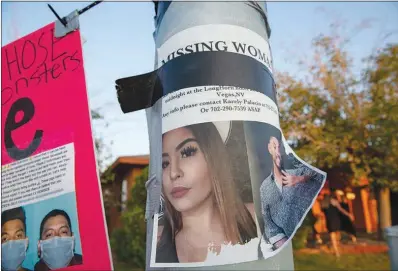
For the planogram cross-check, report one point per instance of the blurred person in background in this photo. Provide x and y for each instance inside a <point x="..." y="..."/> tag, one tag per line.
<point x="347" y="224"/>
<point x="333" y="210"/>
<point x="319" y="217"/>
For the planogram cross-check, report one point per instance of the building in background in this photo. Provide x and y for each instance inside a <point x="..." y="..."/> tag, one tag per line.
<point x="125" y="169"/>
<point x="117" y="182"/>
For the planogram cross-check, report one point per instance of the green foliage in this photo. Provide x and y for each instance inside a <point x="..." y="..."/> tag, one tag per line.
<point x="103" y="155"/>
<point x="102" y="152"/>
<point x="336" y="119"/>
<point x="300" y="238"/>
<point x="96" y="115"/>
<point x="128" y="242"/>
<point x="382" y="79"/>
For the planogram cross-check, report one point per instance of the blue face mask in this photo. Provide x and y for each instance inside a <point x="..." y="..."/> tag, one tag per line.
<point x="13" y="253"/>
<point x="57" y="252"/>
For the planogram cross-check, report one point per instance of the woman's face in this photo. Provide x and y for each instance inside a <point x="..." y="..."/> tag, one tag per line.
<point x="186" y="178"/>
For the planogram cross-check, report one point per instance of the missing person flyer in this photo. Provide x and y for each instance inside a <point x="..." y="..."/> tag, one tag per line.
<point x="232" y="188"/>
<point x="51" y="205"/>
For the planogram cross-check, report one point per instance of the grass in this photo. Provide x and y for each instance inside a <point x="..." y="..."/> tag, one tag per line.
<point x="369" y="261"/>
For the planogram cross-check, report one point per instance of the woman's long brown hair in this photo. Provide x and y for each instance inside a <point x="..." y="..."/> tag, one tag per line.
<point x="237" y="222"/>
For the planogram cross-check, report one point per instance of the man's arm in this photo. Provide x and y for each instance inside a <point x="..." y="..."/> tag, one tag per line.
<point x="336" y="204"/>
<point x="271" y="230"/>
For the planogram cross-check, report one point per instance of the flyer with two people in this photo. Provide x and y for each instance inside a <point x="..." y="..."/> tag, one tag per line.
<point x="232" y="190"/>
<point x="52" y="213"/>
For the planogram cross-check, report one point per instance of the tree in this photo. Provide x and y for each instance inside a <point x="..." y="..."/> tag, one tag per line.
<point x="128" y="241"/>
<point x="323" y="115"/>
<point x="382" y="79"/>
<point x="339" y="121"/>
<point x="381" y="152"/>
<point x="102" y="152"/>
<point x="103" y="155"/>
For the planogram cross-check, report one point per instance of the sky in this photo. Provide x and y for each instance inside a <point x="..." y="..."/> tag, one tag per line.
<point x="119" y="43"/>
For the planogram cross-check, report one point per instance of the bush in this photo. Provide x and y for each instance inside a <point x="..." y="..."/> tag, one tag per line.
<point x="128" y="242"/>
<point x="300" y="238"/>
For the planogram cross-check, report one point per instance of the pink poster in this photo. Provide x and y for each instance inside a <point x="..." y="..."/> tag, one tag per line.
<point x="52" y="210"/>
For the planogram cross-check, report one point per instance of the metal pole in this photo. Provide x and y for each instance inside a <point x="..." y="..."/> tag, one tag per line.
<point x="173" y="18"/>
<point x="80" y="12"/>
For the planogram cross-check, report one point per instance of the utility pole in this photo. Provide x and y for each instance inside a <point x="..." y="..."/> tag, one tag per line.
<point x="202" y="44"/>
<point x="174" y="17"/>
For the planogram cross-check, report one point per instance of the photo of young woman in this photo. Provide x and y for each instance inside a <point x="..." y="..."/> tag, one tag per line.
<point x="202" y="207"/>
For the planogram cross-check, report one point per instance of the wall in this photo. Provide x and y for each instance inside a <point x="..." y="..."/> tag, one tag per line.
<point x="114" y="212"/>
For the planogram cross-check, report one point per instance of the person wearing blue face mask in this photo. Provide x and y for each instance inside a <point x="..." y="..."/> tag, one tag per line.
<point x="57" y="242"/>
<point x="14" y="242"/>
